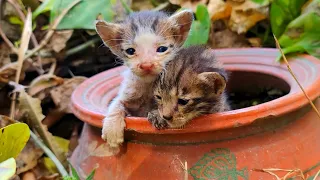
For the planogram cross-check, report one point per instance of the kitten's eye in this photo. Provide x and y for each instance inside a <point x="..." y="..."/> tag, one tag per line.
<point x="162" y="49"/>
<point x="183" y="101"/>
<point x="158" y="97"/>
<point x="130" y="51"/>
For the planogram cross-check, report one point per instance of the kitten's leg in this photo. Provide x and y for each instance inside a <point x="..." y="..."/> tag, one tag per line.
<point x="114" y="124"/>
<point x="155" y="119"/>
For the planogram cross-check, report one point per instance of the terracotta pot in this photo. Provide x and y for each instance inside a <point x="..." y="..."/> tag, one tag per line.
<point x="283" y="133"/>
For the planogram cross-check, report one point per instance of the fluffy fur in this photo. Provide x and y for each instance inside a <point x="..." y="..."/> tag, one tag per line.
<point x="193" y="84"/>
<point x="145" y="42"/>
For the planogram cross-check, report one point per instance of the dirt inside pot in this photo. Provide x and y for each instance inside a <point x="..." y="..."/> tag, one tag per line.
<point x="247" y="89"/>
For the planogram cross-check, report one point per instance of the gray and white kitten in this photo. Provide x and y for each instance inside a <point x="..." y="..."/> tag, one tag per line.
<point x="191" y="85"/>
<point x="145" y="41"/>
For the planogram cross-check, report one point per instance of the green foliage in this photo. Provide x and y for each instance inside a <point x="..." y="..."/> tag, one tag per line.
<point x="75" y="175"/>
<point x="200" y="28"/>
<point x="302" y="32"/>
<point x="13" y="138"/>
<point x="282" y="12"/>
<point x="8" y="168"/>
<point x="84" y="14"/>
<point x="45" y="6"/>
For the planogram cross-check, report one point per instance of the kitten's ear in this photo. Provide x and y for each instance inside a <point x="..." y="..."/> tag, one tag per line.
<point x="183" y="20"/>
<point x="110" y="33"/>
<point x="214" y="80"/>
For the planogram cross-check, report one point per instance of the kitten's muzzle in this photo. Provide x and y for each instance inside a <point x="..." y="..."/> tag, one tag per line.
<point x="148" y="67"/>
<point x="168" y="118"/>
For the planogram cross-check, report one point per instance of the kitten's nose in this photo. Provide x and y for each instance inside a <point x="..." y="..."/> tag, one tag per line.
<point x="167" y="118"/>
<point x="146" y="66"/>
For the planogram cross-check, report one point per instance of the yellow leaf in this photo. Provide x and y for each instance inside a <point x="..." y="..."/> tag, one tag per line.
<point x="246" y="15"/>
<point x="218" y="9"/>
<point x="7" y="168"/>
<point x="64" y="146"/>
<point x="13" y="138"/>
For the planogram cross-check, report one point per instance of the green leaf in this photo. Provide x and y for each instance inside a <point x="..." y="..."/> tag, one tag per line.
<point x="74" y="172"/>
<point x="91" y="175"/>
<point x="199" y="33"/>
<point x="13" y="138"/>
<point x="84" y="14"/>
<point x="8" y="168"/>
<point x="46" y="6"/>
<point x="282" y="12"/>
<point x="302" y="34"/>
<point x="15" y="20"/>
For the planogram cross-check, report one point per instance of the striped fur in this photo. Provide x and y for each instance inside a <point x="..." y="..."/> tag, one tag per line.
<point x="191" y="85"/>
<point x="145" y="32"/>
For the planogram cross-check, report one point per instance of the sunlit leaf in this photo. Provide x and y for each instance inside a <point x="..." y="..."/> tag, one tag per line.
<point x="13" y="138"/>
<point x="282" y="12"/>
<point x="44" y="7"/>
<point x="84" y="14"/>
<point x="7" y="168"/>
<point x="199" y="33"/>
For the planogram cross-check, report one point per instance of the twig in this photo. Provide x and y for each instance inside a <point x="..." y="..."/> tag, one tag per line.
<point x="33" y="37"/>
<point x="295" y="78"/>
<point x="50" y="154"/>
<point x="289" y="172"/>
<point x="25" y="39"/>
<point x="3" y="35"/>
<point x="82" y="46"/>
<point x="52" y="29"/>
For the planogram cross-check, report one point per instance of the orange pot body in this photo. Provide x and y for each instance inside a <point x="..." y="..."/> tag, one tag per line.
<point x="283" y="133"/>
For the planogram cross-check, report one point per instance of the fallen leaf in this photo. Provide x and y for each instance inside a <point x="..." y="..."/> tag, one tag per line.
<point x="190" y="4"/>
<point x="227" y="39"/>
<point x="41" y="86"/>
<point x="4" y="54"/>
<point x="7" y="168"/>
<point x="61" y="95"/>
<point x="8" y="71"/>
<point x="13" y="139"/>
<point x="246" y="15"/>
<point x="59" y="40"/>
<point x="32" y="110"/>
<point x="255" y="42"/>
<point x="219" y="9"/>
<point x="102" y="150"/>
<point x="28" y="158"/>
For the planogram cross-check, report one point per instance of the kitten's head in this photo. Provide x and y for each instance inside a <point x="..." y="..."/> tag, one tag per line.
<point x="193" y="95"/>
<point x="146" y="40"/>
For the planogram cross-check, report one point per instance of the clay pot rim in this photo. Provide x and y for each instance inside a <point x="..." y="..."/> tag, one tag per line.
<point x="224" y="120"/>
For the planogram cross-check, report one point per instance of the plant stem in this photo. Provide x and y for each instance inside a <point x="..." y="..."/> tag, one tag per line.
<point x="50" y="154"/>
<point x="52" y="29"/>
<point x="295" y="78"/>
<point x="82" y="46"/>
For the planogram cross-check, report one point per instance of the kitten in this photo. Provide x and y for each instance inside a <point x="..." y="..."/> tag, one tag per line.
<point x="191" y="85"/>
<point x="145" y="41"/>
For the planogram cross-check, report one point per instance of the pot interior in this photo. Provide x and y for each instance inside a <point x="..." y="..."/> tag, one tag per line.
<point x="247" y="89"/>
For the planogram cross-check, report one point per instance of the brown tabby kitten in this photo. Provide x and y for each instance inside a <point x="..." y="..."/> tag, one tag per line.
<point x="145" y="42"/>
<point x="191" y="85"/>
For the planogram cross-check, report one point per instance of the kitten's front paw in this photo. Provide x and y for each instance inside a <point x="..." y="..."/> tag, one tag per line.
<point x="155" y="119"/>
<point x="112" y="131"/>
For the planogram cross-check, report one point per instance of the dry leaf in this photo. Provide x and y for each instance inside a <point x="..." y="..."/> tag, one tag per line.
<point x="102" y="150"/>
<point x="4" y="54"/>
<point x="191" y="4"/>
<point x="28" y="158"/>
<point x="59" y="40"/>
<point x="219" y="9"/>
<point x="31" y="108"/>
<point x="8" y="71"/>
<point x="61" y="95"/>
<point x="42" y="83"/>
<point x="255" y="42"/>
<point x="246" y="15"/>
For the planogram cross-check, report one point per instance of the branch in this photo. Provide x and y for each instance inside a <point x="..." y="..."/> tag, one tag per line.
<point x="25" y="39"/>
<point x="52" y="29"/>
